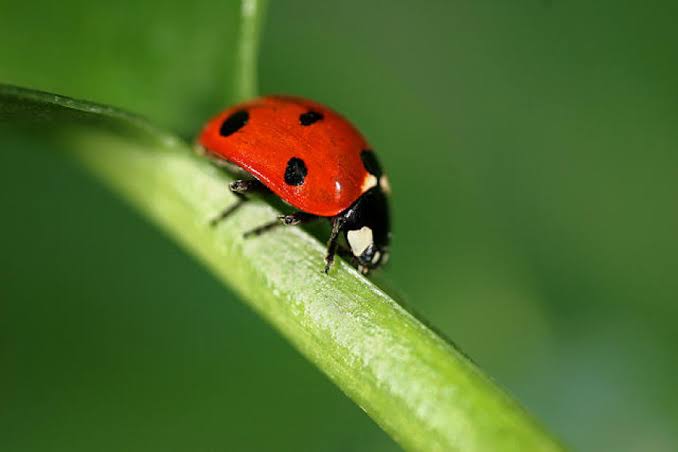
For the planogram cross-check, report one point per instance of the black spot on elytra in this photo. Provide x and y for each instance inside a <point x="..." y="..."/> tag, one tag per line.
<point x="234" y="123"/>
<point x="295" y="172"/>
<point x="371" y="163"/>
<point x="310" y="117"/>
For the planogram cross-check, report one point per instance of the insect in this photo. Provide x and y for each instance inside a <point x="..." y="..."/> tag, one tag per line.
<point x="314" y="160"/>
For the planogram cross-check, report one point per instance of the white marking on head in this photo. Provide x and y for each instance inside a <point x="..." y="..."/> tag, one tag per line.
<point x="376" y="257"/>
<point x="385" y="186"/>
<point x="369" y="182"/>
<point x="359" y="240"/>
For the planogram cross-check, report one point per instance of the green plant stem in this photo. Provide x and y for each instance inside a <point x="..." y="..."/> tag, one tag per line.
<point x="419" y="388"/>
<point x="246" y="79"/>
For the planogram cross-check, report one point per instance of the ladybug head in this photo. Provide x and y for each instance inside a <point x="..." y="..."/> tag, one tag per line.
<point x="367" y="229"/>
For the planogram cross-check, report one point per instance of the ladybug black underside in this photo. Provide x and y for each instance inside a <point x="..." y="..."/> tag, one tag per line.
<point x="365" y="224"/>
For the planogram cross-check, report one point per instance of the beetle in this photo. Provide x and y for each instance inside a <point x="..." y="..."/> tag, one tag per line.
<point x="314" y="160"/>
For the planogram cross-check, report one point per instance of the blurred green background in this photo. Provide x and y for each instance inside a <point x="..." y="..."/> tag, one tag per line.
<point x="532" y="151"/>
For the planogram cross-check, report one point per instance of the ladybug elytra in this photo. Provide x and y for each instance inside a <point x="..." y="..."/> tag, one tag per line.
<point x="314" y="160"/>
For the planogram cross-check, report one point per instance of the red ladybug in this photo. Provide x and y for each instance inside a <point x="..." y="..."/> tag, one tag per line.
<point x="314" y="160"/>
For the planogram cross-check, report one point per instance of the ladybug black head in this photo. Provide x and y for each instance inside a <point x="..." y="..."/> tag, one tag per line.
<point x="367" y="229"/>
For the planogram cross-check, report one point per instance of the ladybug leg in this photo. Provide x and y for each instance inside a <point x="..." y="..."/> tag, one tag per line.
<point x="286" y="220"/>
<point x="337" y="226"/>
<point x="239" y="188"/>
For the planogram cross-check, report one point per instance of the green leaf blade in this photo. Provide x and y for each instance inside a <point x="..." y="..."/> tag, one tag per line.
<point x="419" y="388"/>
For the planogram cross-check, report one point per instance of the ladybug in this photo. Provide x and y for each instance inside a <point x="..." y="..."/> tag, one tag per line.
<point x="314" y="160"/>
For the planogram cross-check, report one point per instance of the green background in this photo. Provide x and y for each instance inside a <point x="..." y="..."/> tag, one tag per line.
<point x="532" y="152"/>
